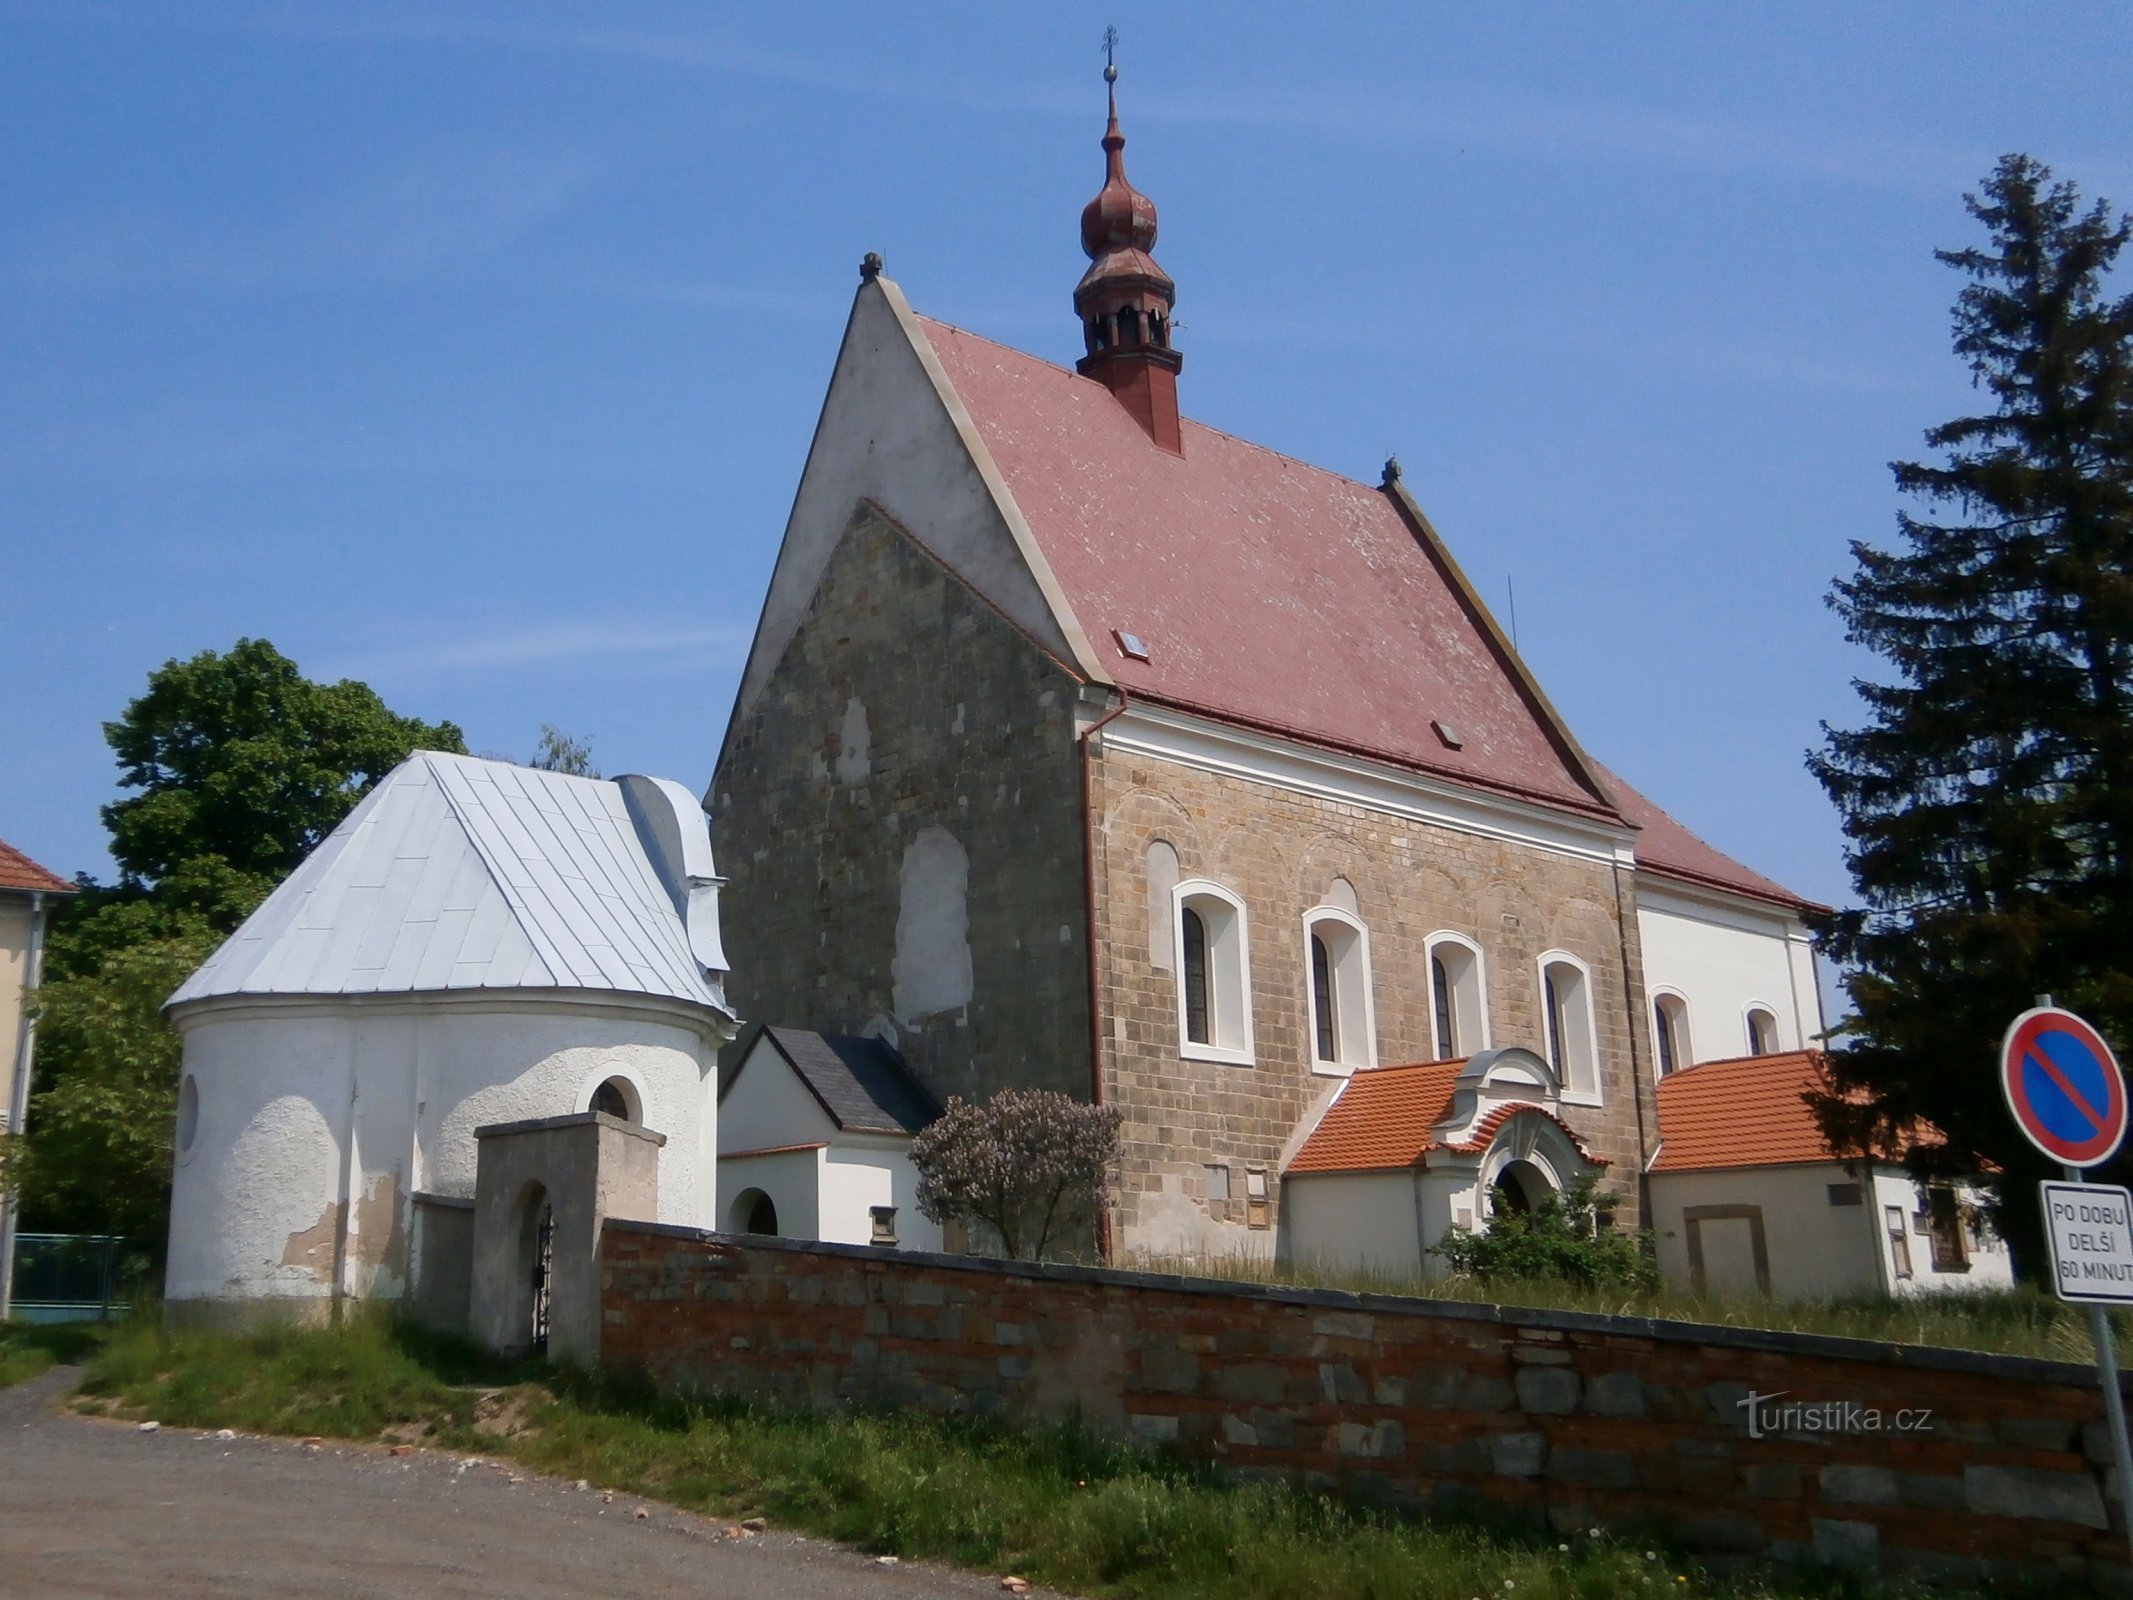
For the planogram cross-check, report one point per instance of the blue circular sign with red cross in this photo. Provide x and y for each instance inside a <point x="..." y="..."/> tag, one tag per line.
<point x="2064" y="1086"/>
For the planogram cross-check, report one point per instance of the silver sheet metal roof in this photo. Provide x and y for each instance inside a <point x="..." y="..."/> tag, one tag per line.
<point x="459" y="873"/>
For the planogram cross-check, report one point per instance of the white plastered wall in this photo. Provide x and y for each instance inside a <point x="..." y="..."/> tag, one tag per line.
<point x="1722" y="954"/>
<point x="1814" y="1248"/>
<point x="768" y="1107"/>
<point x="893" y="432"/>
<point x="307" y="1106"/>
<point x="1990" y="1265"/>
<point x="1363" y="1220"/>
<point x="827" y="1193"/>
<point x="14" y="972"/>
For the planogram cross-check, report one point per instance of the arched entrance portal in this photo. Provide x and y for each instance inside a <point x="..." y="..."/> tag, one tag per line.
<point x="754" y="1212"/>
<point x="1520" y="1186"/>
<point x="536" y="1254"/>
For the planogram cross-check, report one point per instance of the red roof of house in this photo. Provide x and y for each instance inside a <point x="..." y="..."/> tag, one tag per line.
<point x="1750" y="1112"/>
<point x="1268" y="592"/>
<point x="18" y="871"/>
<point x="1277" y="595"/>
<point x="1380" y="1118"/>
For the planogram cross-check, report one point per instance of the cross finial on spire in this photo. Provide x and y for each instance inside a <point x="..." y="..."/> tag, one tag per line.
<point x="1111" y="54"/>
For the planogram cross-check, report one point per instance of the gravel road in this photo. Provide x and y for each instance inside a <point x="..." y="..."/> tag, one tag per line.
<point x="99" y="1508"/>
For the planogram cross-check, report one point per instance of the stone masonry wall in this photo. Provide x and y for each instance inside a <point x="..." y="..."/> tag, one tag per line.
<point x="1570" y="1420"/>
<point x="1280" y="852"/>
<point x="910" y="733"/>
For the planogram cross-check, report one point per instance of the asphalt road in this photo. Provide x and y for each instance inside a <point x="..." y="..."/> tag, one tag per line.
<point x="97" y="1508"/>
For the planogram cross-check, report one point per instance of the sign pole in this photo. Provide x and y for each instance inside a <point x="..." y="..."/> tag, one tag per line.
<point x="2069" y="1098"/>
<point x="2114" y="1403"/>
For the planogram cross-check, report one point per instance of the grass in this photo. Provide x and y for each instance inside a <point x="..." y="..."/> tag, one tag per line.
<point x="2023" y="1321"/>
<point x="28" y="1348"/>
<point x="1054" y="1504"/>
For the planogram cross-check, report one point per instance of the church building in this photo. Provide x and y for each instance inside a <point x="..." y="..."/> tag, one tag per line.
<point x="1082" y="746"/>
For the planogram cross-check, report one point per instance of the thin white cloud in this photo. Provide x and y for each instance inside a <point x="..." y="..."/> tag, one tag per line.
<point x="1439" y="114"/>
<point x="445" y="647"/>
<point x="407" y="222"/>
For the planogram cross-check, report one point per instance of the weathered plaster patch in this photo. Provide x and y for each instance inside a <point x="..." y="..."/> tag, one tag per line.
<point x="310" y="1249"/>
<point x="932" y="970"/>
<point x="853" y="756"/>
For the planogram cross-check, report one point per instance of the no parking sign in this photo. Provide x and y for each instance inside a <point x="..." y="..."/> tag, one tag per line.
<point x="2064" y="1087"/>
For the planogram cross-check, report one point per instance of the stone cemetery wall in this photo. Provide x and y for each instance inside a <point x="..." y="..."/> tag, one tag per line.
<point x="1935" y="1463"/>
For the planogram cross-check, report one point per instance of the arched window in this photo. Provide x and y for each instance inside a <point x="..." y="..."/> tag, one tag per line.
<point x="1670" y="1032"/>
<point x="618" y="1096"/>
<point x="1343" y="1028"/>
<point x="1458" y="992"/>
<point x="1762" y="1031"/>
<point x="1214" y="974"/>
<point x="1566" y="1015"/>
<point x="1194" y="936"/>
<point x="1327" y="1030"/>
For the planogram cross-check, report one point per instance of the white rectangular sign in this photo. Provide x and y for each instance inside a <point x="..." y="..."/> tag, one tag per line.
<point x="2091" y="1229"/>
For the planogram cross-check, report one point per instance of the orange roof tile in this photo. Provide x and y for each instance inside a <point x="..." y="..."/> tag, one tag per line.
<point x="1749" y="1112"/>
<point x="18" y="871"/>
<point x="1380" y="1118"/>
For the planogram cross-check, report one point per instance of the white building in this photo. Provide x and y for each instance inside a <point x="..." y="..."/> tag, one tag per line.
<point x="477" y="943"/>
<point x="814" y="1141"/>
<point x="1403" y="1155"/>
<point x="1748" y="1198"/>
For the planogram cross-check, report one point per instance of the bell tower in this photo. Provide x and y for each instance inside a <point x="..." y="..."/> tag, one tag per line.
<point x="1124" y="299"/>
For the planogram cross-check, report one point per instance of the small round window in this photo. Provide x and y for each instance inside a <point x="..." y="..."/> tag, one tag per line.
<point x="618" y="1098"/>
<point x="188" y="1114"/>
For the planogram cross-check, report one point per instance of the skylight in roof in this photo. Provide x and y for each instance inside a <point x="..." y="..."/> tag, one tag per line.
<point x="1129" y="644"/>
<point x="1448" y="733"/>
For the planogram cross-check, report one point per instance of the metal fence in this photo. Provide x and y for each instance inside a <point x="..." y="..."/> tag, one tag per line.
<point x="75" y="1277"/>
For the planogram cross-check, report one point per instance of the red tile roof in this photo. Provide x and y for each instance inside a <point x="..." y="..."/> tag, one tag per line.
<point x="1277" y="595"/>
<point x="1666" y="847"/>
<point x="1381" y="1118"/>
<point x="1750" y="1112"/>
<point x="18" y="871"/>
<point x="1269" y="593"/>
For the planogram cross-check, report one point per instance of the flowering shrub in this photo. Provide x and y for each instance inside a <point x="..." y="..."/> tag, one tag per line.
<point x="1024" y="1164"/>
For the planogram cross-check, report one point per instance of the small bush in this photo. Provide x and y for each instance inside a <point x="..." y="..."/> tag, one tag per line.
<point x="1563" y="1239"/>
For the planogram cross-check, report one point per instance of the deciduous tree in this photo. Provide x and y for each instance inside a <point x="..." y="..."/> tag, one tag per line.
<point x="1024" y="1165"/>
<point x="240" y="765"/>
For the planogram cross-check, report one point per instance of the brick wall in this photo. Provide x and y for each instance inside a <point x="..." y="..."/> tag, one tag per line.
<point x="1566" y="1419"/>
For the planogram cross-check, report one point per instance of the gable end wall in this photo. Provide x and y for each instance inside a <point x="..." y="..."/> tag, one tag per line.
<point x="906" y="713"/>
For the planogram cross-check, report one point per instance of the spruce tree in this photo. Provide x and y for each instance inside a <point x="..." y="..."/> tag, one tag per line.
<point x="1989" y="796"/>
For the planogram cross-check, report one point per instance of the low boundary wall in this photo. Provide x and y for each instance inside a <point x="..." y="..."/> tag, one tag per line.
<point x="1938" y="1463"/>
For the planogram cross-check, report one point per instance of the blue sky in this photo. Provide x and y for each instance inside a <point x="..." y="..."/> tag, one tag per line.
<point x="472" y="350"/>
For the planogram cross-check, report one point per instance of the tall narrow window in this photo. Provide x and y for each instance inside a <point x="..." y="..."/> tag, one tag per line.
<point x="1440" y="988"/>
<point x="1458" y="996"/>
<point x="1337" y="958"/>
<point x="1214" y="974"/>
<point x="1195" y="977"/>
<point x="1670" y="1031"/>
<point x="1566" y="1006"/>
<point x="1899" y="1241"/>
<point x="1329" y="1048"/>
